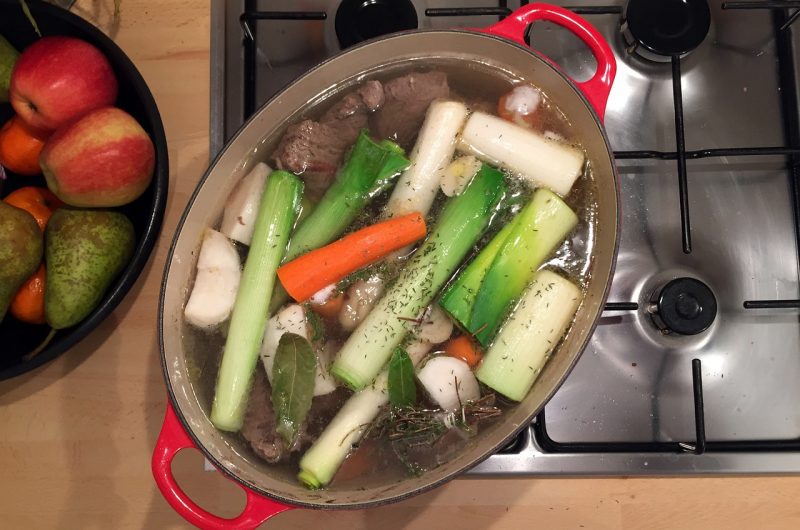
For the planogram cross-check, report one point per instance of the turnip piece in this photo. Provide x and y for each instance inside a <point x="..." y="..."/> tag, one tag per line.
<point x="218" y="274"/>
<point x="241" y="208"/>
<point x="458" y="174"/>
<point x="292" y="319"/>
<point x="449" y="382"/>
<point x="417" y="187"/>
<point x="325" y="383"/>
<point x="435" y="326"/>
<point x="541" y="162"/>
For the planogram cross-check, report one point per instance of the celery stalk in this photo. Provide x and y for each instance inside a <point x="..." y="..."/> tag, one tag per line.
<point x="460" y="225"/>
<point x="276" y="216"/>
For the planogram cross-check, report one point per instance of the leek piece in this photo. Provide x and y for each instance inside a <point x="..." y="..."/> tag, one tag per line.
<point x="418" y="185"/>
<point x="539" y="160"/>
<point x="518" y="354"/>
<point x="459" y="297"/>
<point x="369" y="169"/>
<point x="541" y="226"/>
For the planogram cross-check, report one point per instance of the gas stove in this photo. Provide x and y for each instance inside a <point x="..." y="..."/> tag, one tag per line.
<point x="695" y="364"/>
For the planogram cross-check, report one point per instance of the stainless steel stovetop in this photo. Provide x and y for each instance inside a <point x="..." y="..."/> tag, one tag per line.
<point x="631" y="404"/>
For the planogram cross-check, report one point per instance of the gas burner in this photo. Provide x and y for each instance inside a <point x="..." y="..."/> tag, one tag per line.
<point x="359" y="20"/>
<point x="658" y="30"/>
<point x="684" y="306"/>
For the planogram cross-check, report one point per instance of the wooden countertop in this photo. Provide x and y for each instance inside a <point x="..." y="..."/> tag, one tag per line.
<point x="76" y="436"/>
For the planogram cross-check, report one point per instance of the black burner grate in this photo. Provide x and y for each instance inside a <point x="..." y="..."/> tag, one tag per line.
<point x="252" y="14"/>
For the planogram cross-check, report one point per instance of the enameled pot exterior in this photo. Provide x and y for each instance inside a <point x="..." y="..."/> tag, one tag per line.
<point x="505" y="55"/>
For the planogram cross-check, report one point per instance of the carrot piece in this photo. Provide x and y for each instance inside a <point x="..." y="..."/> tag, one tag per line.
<point x="331" y="307"/>
<point x="464" y="348"/>
<point x="304" y="276"/>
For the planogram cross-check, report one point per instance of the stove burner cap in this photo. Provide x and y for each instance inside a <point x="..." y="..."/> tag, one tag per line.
<point x="666" y="27"/>
<point x="359" y="20"/>
<point x="685" y="306"/>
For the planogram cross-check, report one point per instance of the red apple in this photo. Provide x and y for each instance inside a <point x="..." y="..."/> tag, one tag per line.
<point x="58" y="79"/>
<point x="103" y="159"/>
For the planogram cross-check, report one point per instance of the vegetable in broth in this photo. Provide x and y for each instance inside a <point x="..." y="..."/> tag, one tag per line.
<point x="385" y="313"/>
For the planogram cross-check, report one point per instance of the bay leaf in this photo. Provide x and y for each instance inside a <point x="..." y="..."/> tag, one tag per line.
<point x="293" y="374"/>
<point x="402" y="388"/>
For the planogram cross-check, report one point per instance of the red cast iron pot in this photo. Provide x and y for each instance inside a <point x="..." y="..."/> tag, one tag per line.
<point x="497" y="51"/>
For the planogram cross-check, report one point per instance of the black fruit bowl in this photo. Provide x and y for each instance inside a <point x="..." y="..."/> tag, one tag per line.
<point x="146" y="213"/>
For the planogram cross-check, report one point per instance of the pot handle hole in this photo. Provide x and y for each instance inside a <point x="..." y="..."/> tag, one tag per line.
<point x="597" y="88"/>
<point x="171" y="441"/>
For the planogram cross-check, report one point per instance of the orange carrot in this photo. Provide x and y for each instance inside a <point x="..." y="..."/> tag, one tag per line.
<point x="465" y="349"/>
<point x="304" y="276"/>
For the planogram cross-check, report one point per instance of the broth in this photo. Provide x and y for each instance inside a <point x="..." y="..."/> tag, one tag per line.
<point x="480" y="87"/>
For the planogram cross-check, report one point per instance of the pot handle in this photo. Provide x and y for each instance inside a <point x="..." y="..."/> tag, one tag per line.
<point x="171" y="441"/>
<point x="595" y="89"/>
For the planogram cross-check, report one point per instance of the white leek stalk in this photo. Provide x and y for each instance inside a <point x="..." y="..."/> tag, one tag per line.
<point x="539" y="160"/>
<point x="417" y="187"/>
<point x="527" y="339"/>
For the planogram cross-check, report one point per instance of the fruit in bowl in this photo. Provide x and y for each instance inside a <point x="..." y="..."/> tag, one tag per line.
<point x="78" y="107"/>
<point x="58" y="79"/>
<point x="103" y="159"/>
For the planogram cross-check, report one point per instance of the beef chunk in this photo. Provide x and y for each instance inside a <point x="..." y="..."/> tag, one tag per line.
<point x="347" y="117"/>
<point x="259" y="422"/>
<point x="314" y="149"/>
<point x="372" y="94"/>
<point x="406" y="101"/>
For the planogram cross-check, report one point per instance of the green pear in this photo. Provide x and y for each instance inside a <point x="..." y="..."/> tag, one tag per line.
<point x="8" y="57"/>
<point x="84" y="251"/>
<point x="20" y="251"/>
